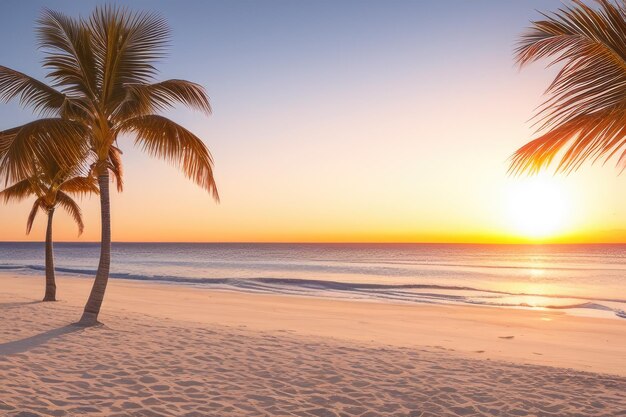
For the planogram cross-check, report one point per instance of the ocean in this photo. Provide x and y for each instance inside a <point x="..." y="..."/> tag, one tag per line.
<point x="579" y="279"/>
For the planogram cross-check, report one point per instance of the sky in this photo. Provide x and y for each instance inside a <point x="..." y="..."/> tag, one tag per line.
<point x="353" y="121"/>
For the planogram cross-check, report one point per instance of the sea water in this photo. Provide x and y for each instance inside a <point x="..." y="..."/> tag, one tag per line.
<point x="581" y="279"/>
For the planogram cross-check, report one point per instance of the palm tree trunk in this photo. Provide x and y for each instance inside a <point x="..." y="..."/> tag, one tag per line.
<point x="51" y="286"/>
<point x="92" y="308"/>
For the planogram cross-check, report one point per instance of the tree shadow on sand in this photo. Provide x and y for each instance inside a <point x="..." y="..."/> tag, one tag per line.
<point x="24" y="345"/>
<point x="19" y="304"/>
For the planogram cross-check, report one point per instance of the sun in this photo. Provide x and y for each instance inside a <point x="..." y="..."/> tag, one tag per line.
<point x="537" y="207"/>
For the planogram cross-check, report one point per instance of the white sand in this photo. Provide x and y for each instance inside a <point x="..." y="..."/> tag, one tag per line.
<point x="167" y="350"/>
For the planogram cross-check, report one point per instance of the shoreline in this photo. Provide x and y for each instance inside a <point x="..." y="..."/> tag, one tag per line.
<point x="546" y="337"/>
<point x="438" y="294"/>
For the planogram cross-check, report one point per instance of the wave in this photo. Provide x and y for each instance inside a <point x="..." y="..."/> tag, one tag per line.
<point x="485" y="266"/>
<point x="415" y="293"/>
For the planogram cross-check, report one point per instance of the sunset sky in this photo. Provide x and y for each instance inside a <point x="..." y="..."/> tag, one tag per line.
<point x="340" y="121"/>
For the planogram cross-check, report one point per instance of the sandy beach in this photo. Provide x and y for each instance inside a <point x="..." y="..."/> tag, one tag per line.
<point x="180" y="351"/>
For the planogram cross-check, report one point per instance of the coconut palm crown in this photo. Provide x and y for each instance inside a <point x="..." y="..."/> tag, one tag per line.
<point x="103" y="86"/>
<point x="584" y="116"/>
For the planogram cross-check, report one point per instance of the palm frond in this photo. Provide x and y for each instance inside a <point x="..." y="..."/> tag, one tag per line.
<point x="37" y="205"/>
<point x="590" y="137"/>
<point x="69" y="56"/>
<point x="80" y="186"/>
<point x="144" y="99"/>
<point x="72" y="209"/>
<point x="31" y="92"/>
<point x="18" y="191"/>
<point x="587" y="99"/>
<point x="126" y="46"/>
<point x="591" y="44"/>
<point x="25" y="148"/>
<point x="116" y="167"/>
<point x="165" y="139"/>
<point x="77" y="109"/>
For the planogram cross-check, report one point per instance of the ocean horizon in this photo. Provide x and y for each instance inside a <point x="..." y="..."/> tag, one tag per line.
<point x="584" y="279"/>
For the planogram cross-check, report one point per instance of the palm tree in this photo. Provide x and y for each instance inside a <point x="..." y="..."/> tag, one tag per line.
<point x="584" y="117"/>
<point x="52" y="188"/>
<point x="103" y="72"/>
